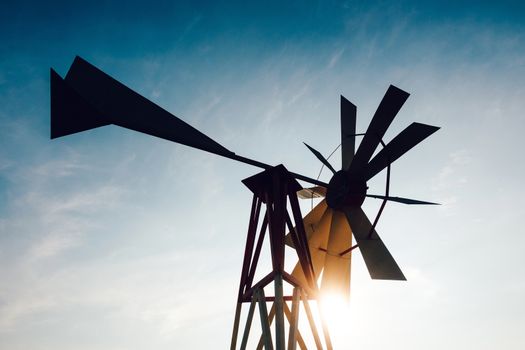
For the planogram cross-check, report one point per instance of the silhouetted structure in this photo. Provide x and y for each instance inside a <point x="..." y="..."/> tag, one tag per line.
<point x="88" y="98"/>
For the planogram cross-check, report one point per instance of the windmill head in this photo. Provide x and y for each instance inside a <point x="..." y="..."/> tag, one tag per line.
<point x="346" y="189"/>
<point x="339" y="216"/>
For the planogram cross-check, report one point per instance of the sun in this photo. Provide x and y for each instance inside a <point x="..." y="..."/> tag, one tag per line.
<point x="335" y="310"/>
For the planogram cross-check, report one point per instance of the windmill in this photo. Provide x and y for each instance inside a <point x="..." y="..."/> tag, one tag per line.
<point x="88" y="98"/>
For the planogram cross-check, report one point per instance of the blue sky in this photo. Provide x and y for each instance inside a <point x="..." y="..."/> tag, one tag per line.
<point x="114" y="240"/>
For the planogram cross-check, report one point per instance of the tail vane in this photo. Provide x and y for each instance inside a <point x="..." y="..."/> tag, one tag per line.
<point x="70" y="113"/>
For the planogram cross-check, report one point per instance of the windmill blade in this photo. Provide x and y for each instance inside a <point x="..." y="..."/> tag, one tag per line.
<point x="321" y="158"/>
<point x="117" y="104"/>
<point x="379" y="262"/>
<point x="317" y="244"/>
<point x="401" y="200"/>
<point x="348" y="121"/>
<point x="312" y="192"/>
<point x="336" y="272"/>
<point x="402" y="143"/>
<point x="310" y="221"/>
<point x="390" y="104"/>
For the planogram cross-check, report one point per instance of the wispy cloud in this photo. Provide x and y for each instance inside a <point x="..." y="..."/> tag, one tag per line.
<point x="60" y="167"/>
<point x="44" y="223"/>
<point x="452" y="177"/>
<point x="336" y="56"/>
<point x="452" y="173"/>
<point x="53" y="244"/>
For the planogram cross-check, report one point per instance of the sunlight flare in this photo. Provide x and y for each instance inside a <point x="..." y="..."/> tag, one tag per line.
<point x="335" y="309"/>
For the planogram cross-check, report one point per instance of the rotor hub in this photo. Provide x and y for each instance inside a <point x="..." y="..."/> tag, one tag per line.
<point x="346" y="189"/>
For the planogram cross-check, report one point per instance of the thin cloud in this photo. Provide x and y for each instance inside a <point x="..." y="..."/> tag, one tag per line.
<point x="453" y="174"/>
<point x="335" y="58"/>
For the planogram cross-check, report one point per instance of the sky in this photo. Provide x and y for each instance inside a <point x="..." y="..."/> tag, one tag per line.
<point x="111" y="239"/>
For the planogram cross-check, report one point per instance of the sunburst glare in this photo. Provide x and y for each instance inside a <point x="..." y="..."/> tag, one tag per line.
<point x="335" y="309"/>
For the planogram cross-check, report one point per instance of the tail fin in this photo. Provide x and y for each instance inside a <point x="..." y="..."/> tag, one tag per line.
<point x="70" y="113"/>
<point x="88" y="98"/>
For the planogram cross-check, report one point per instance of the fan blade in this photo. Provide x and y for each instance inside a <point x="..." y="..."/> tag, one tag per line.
<point x="348" y="120"/>
<point x="321" y="158"/>
<point x="390" y="104"/>
<point x="401" y="200"/>
<point x="317" y="245"/>
<point x="310" y="221"/>
<point x="336" y="272"/>
<point x="379" y="262"/>
<point x="402" y="143"/>
<point x="312" y="192"/>
<point x="119" y="105"/>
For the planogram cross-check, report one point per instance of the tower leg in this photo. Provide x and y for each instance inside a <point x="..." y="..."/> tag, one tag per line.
<point x="248" y="323"/>
<point x="236" y="321"/>
<point x="265" y="324"/>
<point x="279" y="311"/>
<point x="294" y="320"/>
